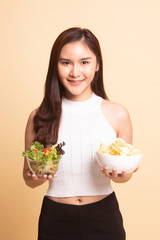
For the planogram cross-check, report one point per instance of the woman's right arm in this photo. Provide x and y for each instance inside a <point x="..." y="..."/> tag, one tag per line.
<point x="30" y="179"/>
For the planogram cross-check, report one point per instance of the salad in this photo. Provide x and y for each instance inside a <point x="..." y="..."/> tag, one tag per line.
<point x="43" y="160"/>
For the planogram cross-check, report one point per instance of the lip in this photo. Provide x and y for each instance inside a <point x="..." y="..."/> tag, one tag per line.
<point x="75" y="82"/>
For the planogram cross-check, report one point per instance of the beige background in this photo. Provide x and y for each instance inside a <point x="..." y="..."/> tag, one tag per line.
<point x="129" y="35"/>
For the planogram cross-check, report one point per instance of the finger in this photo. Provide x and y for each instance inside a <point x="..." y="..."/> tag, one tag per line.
<point x="34" y="176"/>
<point x="102" y="170"/>
<point x="45" y="176"/>
<point x="106" y="172"/>
<point x="55" y="175"/>
<point x="50" y="177"/>
<point x="29" y="174"/>
<point x="114" y="173"/>
<point x="124" y="174"/>
<point x="136" y="169"/>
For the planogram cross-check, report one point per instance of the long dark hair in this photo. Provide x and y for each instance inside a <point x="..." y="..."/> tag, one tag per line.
<point x="48" y="115"/>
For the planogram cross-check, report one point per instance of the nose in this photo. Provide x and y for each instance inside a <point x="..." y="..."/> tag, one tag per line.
<point x="75" y="71"/>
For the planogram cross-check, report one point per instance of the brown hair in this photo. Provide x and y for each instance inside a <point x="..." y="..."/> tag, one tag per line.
<point x="48" y="115"/>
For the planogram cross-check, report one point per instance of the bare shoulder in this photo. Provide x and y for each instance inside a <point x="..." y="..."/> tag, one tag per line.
<point x="32" y="115"/>
<point x="119" y="118"/>
<point x="29" y="132"/>
<point x="116" y="109"/>
<point x="30" y="124"/>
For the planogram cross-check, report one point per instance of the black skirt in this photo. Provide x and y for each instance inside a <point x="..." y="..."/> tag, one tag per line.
<point x="101" y="220"/>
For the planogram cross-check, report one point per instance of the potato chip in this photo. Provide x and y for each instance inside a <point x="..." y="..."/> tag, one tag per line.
<point x="119" y="147"/>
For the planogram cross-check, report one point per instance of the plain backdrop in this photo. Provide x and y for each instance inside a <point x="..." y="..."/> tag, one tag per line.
<point x="128" y="32"/>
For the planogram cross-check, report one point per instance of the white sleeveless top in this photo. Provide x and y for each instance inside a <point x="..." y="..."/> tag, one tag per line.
<point x="83" y="128"/>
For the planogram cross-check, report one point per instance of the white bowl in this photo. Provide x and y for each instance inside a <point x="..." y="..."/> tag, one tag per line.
<point x="120" y="163"/>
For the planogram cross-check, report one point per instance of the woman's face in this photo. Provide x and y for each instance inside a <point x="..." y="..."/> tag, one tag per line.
<point x="76" y="68"/>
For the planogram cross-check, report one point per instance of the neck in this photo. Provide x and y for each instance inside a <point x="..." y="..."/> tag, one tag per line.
<point x="78" y="97"/>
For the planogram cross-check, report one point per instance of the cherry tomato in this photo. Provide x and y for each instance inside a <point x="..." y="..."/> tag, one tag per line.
<point x="35" y="150"/>
<point x="45" y="150"/>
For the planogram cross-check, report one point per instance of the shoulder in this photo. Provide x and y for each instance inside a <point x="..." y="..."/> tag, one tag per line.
<point x="32" y="115"/>
<point x="119" y="118"/>
<point x="29" y="131"/>
<point x="111" y="108"/>
<point x="30" y="122"/>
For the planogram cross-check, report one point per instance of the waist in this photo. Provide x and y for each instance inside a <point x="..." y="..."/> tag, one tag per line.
<point x="78" y="200"/>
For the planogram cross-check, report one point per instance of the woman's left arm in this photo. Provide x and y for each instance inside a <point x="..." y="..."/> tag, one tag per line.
<point x="123" y="128"/>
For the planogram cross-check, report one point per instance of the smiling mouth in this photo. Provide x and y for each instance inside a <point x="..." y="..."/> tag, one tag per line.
<point x="75" y="82"/>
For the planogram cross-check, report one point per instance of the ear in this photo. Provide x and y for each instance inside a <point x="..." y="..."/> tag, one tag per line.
<point x="97" y="67"/>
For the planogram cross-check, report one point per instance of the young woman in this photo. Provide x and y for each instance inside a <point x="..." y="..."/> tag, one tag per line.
<point x="80" y="202"/>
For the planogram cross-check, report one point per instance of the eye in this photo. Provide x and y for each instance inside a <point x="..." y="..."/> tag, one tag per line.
<point x="65" y="63"/>
<point x="85" y="62"/>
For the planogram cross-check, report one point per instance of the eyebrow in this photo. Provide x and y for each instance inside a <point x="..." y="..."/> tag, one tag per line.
<point x="82" y="59"/>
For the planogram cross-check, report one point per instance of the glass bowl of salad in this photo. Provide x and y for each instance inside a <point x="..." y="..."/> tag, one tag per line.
<point x="44" y="160"/>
